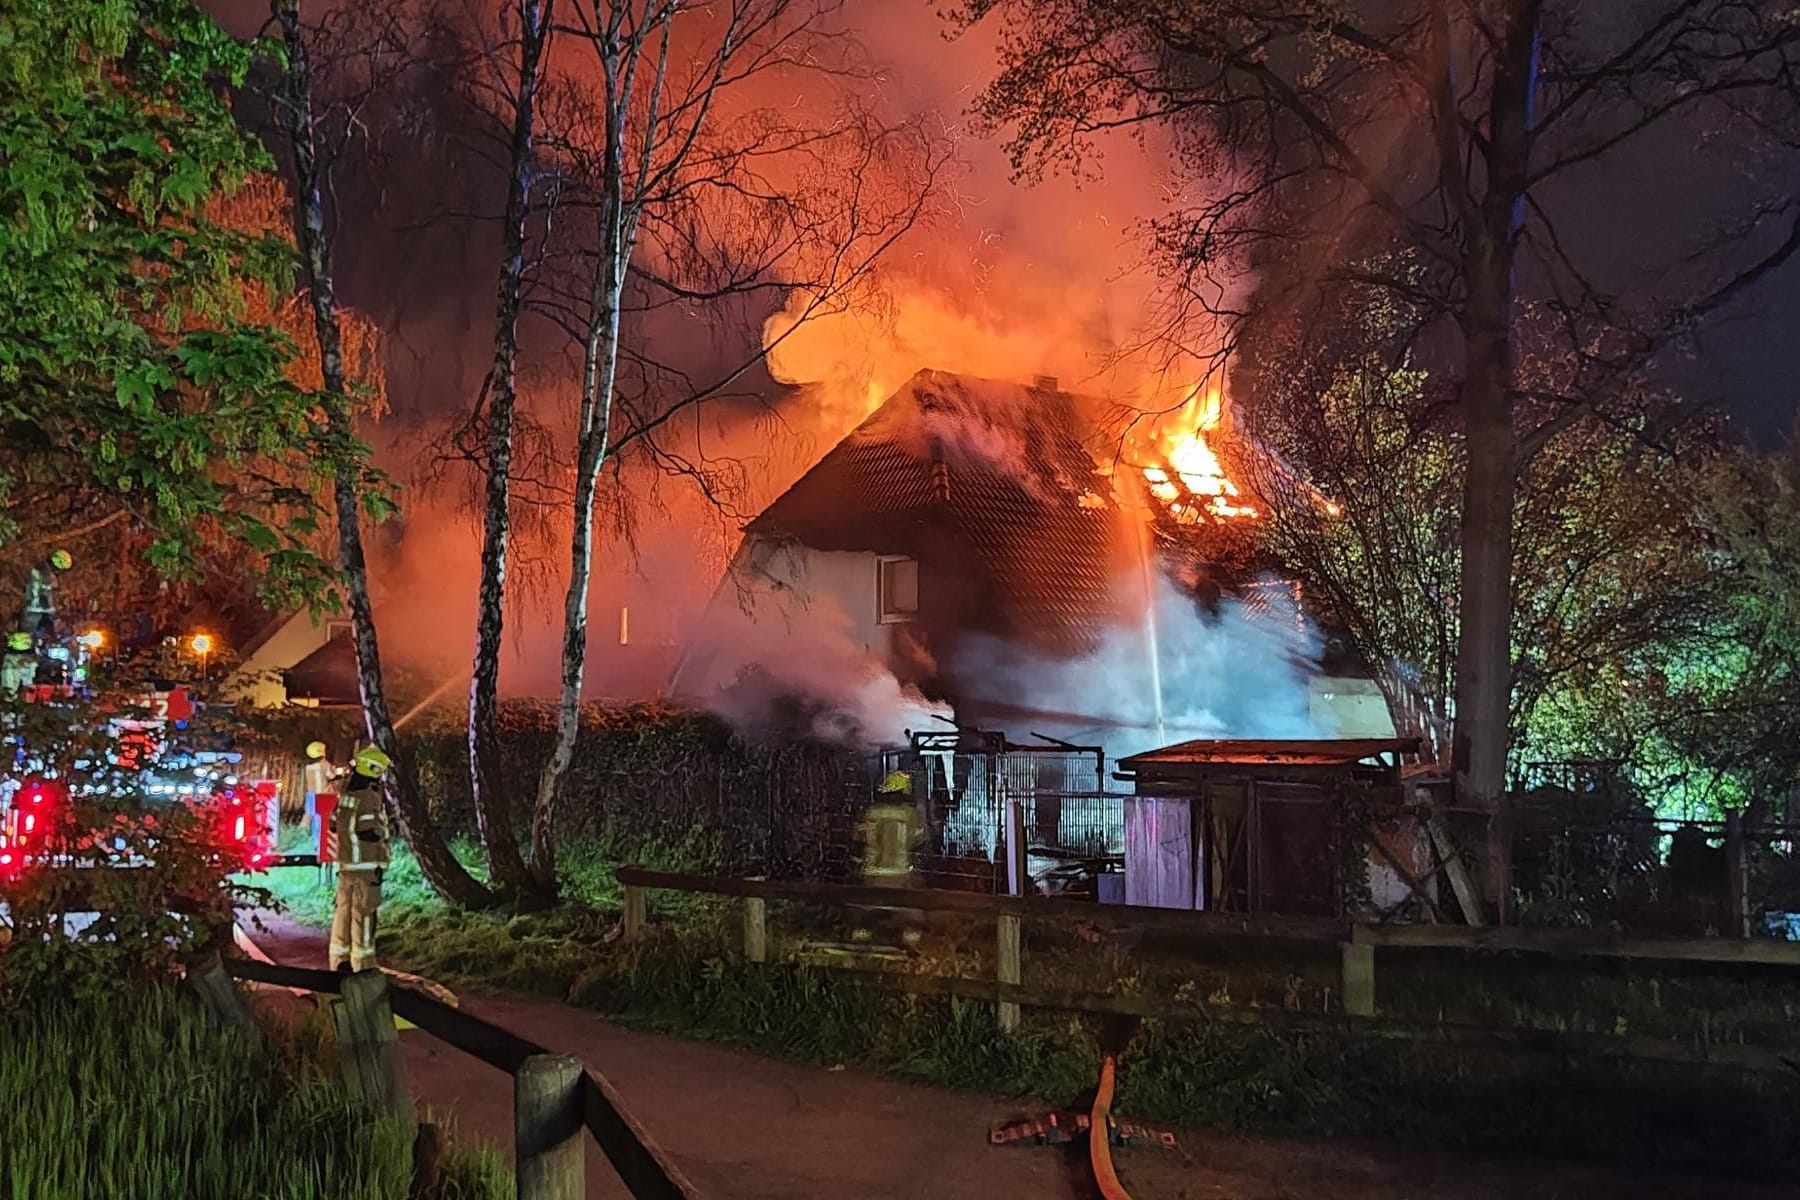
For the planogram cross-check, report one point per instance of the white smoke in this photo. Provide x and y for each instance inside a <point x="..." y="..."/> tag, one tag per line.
<point x="767" y="672"/>
<point x="1234" y="673"/>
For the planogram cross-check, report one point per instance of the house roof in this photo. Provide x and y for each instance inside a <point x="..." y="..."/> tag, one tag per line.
<point x="1001" y="463"/>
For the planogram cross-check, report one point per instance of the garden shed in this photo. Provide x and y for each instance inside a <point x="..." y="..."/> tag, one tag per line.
<point x="1261" y="826"/>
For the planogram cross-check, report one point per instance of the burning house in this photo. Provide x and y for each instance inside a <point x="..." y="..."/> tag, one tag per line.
<point x="968" y="545"/>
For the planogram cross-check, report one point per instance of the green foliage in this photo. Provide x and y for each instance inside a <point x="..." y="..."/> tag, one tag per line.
<point x="655" y="776"/>
<point x="131" y="375"/>
<point x="135" y="1093"/>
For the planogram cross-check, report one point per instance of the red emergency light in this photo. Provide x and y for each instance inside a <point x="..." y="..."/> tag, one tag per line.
<point x="34" y="810"/>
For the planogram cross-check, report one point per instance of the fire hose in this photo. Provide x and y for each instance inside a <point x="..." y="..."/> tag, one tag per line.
<point x="1099" y="1146"/>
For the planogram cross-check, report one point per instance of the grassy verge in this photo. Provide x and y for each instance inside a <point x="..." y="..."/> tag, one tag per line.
<point x="687" y="980"/>
<point x="135" y="1093"/>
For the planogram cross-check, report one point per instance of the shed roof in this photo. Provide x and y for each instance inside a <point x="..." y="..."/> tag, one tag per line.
<point x="1325" y="752"/>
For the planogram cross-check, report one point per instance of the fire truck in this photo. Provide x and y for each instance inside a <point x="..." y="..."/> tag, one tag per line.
<point x="148" y="760"/>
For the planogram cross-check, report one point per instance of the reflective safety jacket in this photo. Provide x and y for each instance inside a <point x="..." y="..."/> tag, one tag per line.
<point x="321" y="777"/>
<point x="359" y="830"/>
<point x="890" y="831"/>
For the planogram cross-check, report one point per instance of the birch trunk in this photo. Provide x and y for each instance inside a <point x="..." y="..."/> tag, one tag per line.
<point x="599" y="377"/>
<point x="441" y="869"/>
<point x="493" y="799"/>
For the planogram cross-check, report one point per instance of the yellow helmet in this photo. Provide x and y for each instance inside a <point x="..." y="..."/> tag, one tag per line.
<point x="62" y="560"/>
<point x="896" y="781"/>
<point x="315" y="750"/>
<point x="371" y="763"/>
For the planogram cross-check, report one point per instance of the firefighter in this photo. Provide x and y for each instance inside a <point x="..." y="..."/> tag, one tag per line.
<point x="890" y="831"/>
<point x="360" y="837"/>
<point x="39" y="616"/>
<point x="21" y="664"/>
<point x="320" y="778"/>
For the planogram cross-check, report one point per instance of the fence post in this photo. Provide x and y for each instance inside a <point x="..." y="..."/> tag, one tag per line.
<point x="206" y="975"/>
<point x="636" y="910"/>
<point x="548" y="1129"/>
<point x="369" y="1045"/>
<point x="1737" y="876"/>
<point x="756" y="928"/>
<point x="1359" y="977"/>
<point x="1006" y="1012"/>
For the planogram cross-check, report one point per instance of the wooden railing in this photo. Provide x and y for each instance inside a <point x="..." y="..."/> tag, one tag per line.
<point x="556" y="1099"/>
<point x="1357" y="943"/>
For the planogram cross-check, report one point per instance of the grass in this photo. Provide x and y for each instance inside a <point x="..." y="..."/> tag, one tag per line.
<point x="686" y="979"/>
<point x="139" y="1095"/>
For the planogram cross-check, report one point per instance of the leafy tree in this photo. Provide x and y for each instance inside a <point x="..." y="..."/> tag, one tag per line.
<point x="1609" y="568"/>
<point x="350" y="481"/>
<point x="1723" y="729"/>
<point x="139" y="388"/>
<point x="1462" y="142"/>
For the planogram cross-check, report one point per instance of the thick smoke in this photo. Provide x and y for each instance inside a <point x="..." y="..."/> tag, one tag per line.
<point x="1232" y="673"/>
<point x="808" y="675"/>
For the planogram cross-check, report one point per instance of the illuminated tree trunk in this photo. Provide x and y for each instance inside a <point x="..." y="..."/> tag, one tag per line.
<point x="600" y="364"/>
<point x="493" y="810"/>
<point x="440" y="867"/>
<point x="1484" y="639"/>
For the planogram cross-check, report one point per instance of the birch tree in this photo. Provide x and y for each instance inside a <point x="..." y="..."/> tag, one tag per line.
<point x="695" y="191"/>
<point x="350" y="491"/>
<point x="532" y="25"/>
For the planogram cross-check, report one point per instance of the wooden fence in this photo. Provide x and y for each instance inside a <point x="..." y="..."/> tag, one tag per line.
<point x="556" y="1100"/>
<point x="1357" y="943"/>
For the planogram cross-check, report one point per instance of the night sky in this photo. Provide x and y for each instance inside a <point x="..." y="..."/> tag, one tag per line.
<point x="430" y="288"/>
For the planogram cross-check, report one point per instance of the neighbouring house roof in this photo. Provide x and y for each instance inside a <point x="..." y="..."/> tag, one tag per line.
<point x="326" y="676"/>
<point x="999" y="463"/>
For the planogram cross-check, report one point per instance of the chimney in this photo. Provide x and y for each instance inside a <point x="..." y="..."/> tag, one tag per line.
<point x="1044" y="383"/>
<point x="940" y="481"/>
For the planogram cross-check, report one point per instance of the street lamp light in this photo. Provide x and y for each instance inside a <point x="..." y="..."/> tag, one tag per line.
<point x="201" y="644"/>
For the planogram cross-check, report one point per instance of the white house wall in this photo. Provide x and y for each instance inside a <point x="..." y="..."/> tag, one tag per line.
<point x="1344" y="707"/>
<point x="780" y="597"/>
<point x="257" y="680"/>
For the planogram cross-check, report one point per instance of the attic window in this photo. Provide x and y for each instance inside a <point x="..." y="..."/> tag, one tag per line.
<point x="898" y="587"/>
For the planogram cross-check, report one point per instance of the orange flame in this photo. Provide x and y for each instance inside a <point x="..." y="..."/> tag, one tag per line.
<point x="1190" y="479"/>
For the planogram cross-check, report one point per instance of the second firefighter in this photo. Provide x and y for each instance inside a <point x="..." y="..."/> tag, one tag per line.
<point x="360" y="836"/>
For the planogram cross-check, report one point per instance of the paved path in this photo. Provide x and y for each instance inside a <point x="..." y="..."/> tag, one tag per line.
<point x="748" y="1127"/>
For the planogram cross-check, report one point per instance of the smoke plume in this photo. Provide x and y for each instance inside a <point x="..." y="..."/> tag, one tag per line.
<point x="1236" y="672"/>
<point x="805" y="672"/>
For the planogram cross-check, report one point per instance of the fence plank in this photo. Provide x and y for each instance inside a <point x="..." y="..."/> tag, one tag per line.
<point x="641" y="1165"/>
<point x="369" y="1045"/>
<point x="547" y="1127"/>
<point x="1235" y="926"/>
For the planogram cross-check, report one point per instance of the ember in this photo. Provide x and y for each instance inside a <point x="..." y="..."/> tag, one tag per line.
<point x="1190" y="480"/>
